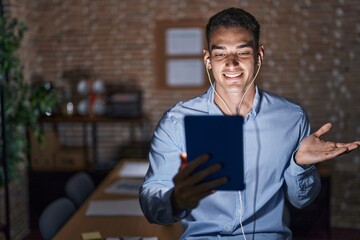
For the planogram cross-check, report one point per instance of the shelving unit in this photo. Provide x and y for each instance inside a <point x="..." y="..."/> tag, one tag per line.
<point x="79" y="122"/>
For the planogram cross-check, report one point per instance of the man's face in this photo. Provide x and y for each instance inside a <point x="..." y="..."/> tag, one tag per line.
<point x="232" y="59"/>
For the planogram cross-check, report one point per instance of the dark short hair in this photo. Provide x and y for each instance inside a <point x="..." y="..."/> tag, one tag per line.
<point x="234" y="17"/>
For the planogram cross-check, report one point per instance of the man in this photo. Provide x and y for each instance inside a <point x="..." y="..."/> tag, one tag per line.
<point x="279" y="153"/>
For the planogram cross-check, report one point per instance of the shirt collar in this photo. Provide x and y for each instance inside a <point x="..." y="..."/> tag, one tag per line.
<point x="256" y="105"/>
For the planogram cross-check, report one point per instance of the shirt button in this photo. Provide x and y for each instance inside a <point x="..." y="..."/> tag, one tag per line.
<point x="228" y="227"/>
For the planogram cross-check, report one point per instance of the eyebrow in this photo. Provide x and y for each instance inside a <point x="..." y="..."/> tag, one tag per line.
<point x="248" y="44"/>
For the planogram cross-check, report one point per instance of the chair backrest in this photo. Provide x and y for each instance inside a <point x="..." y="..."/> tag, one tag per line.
<point x="54" y="216"/>
<point x="79" y="187"/>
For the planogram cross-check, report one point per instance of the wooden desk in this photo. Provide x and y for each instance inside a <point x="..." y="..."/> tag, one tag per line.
<point x="114" y="226"/>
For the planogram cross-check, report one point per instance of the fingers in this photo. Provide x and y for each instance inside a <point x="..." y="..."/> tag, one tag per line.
<point x="183" y="157"/>
<point x="189" y="197"/>
<point x="199" y="176"/>
<point x="336" y="152"/>
<point x="198" y="190"/>
<point x="210" y="185"/>
<point x="186" y="174"/>
<point x="350" y="146"/>
<point x="332" y="149"/>
<point x="323" y="129"/>
<point x="189" y="187"/>
<point x="188" y="167"/>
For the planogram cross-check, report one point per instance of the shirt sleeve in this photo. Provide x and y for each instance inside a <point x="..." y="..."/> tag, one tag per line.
<point x="302" y="184"/>
<point x="164" y="157"/>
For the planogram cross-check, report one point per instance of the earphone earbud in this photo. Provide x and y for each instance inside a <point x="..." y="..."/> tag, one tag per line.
<point x="259" y="60"/>
<point x="208" y="63"/>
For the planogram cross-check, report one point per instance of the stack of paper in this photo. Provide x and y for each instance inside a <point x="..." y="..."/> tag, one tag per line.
<point x="125" y="186"/>
<point x="134" y="169"/>
<point x="129" y="207"/>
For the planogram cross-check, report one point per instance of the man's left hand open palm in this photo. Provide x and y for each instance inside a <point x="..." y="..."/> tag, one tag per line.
<point x="313" y="150"/>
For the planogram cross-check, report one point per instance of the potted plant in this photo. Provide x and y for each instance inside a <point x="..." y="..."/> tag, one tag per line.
<point x="23" y="102"/>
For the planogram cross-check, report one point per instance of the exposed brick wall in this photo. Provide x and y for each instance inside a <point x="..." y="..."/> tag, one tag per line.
<point x="312" y="51"/>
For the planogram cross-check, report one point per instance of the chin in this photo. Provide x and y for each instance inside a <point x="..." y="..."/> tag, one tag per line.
<point x="231" y="90"/>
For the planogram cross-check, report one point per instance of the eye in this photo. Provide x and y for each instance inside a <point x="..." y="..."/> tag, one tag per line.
<point x="244" y="53"/>
<point x="220" y="55"/>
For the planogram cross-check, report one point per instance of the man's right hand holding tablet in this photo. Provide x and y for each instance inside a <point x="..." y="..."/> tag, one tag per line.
<point x="188" y="186"/>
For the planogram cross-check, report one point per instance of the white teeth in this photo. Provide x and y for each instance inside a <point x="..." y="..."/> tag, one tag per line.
<point x="232" y="75"/>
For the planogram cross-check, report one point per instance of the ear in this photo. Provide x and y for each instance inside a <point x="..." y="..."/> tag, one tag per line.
<point x="261" y="54"/>
<point x="206" y="59"/>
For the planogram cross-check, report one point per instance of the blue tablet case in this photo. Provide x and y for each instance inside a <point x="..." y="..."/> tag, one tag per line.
<point x="222" y="138"/>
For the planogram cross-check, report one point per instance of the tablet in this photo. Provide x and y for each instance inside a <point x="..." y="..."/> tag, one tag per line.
<point x="222" y="138"/>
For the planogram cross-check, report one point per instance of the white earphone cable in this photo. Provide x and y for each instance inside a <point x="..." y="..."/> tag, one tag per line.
<point x="238" y="112"/>
<point x="241" y="214"/>
<point x="212" y="86"/>
<point x="248" y="87"/>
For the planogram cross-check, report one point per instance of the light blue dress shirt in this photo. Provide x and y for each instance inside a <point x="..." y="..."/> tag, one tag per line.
<point x="273" y="130"/>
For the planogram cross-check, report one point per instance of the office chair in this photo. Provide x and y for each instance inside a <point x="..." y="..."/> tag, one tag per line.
<point x="54" y="216"/>
<point x="79" y="187"/>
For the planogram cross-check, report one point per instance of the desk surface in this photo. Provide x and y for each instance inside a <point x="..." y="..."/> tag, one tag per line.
<point x="113" y="226"/>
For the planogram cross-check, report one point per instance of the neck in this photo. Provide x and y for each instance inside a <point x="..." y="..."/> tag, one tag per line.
<point x="235" y="103"/>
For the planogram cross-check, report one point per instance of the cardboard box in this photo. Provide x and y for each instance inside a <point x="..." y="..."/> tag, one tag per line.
<point x="71" y="158"/>
<point x="52" y="156"/>
<point x="42" y="155"/>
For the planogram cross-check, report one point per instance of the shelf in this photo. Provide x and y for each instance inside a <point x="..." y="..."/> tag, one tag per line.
<point x="93" y="119"/>
<point x="87" y="155"/>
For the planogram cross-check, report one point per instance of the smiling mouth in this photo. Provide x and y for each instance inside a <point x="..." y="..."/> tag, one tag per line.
<point x="232" y="75"/>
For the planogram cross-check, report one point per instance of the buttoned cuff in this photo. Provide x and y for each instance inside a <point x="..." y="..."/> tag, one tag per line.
<point x="176" y="215"/>
<point x="296" y="169"/>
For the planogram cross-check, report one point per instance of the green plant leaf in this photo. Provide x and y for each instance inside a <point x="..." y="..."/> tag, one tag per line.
<point x="23" y="103"/>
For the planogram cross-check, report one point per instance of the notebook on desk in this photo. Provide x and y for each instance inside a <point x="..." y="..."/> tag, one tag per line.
<point x="222" y="138"/>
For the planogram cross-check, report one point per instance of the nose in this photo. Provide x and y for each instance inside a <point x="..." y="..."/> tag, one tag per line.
<point x="232" y="60"/>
